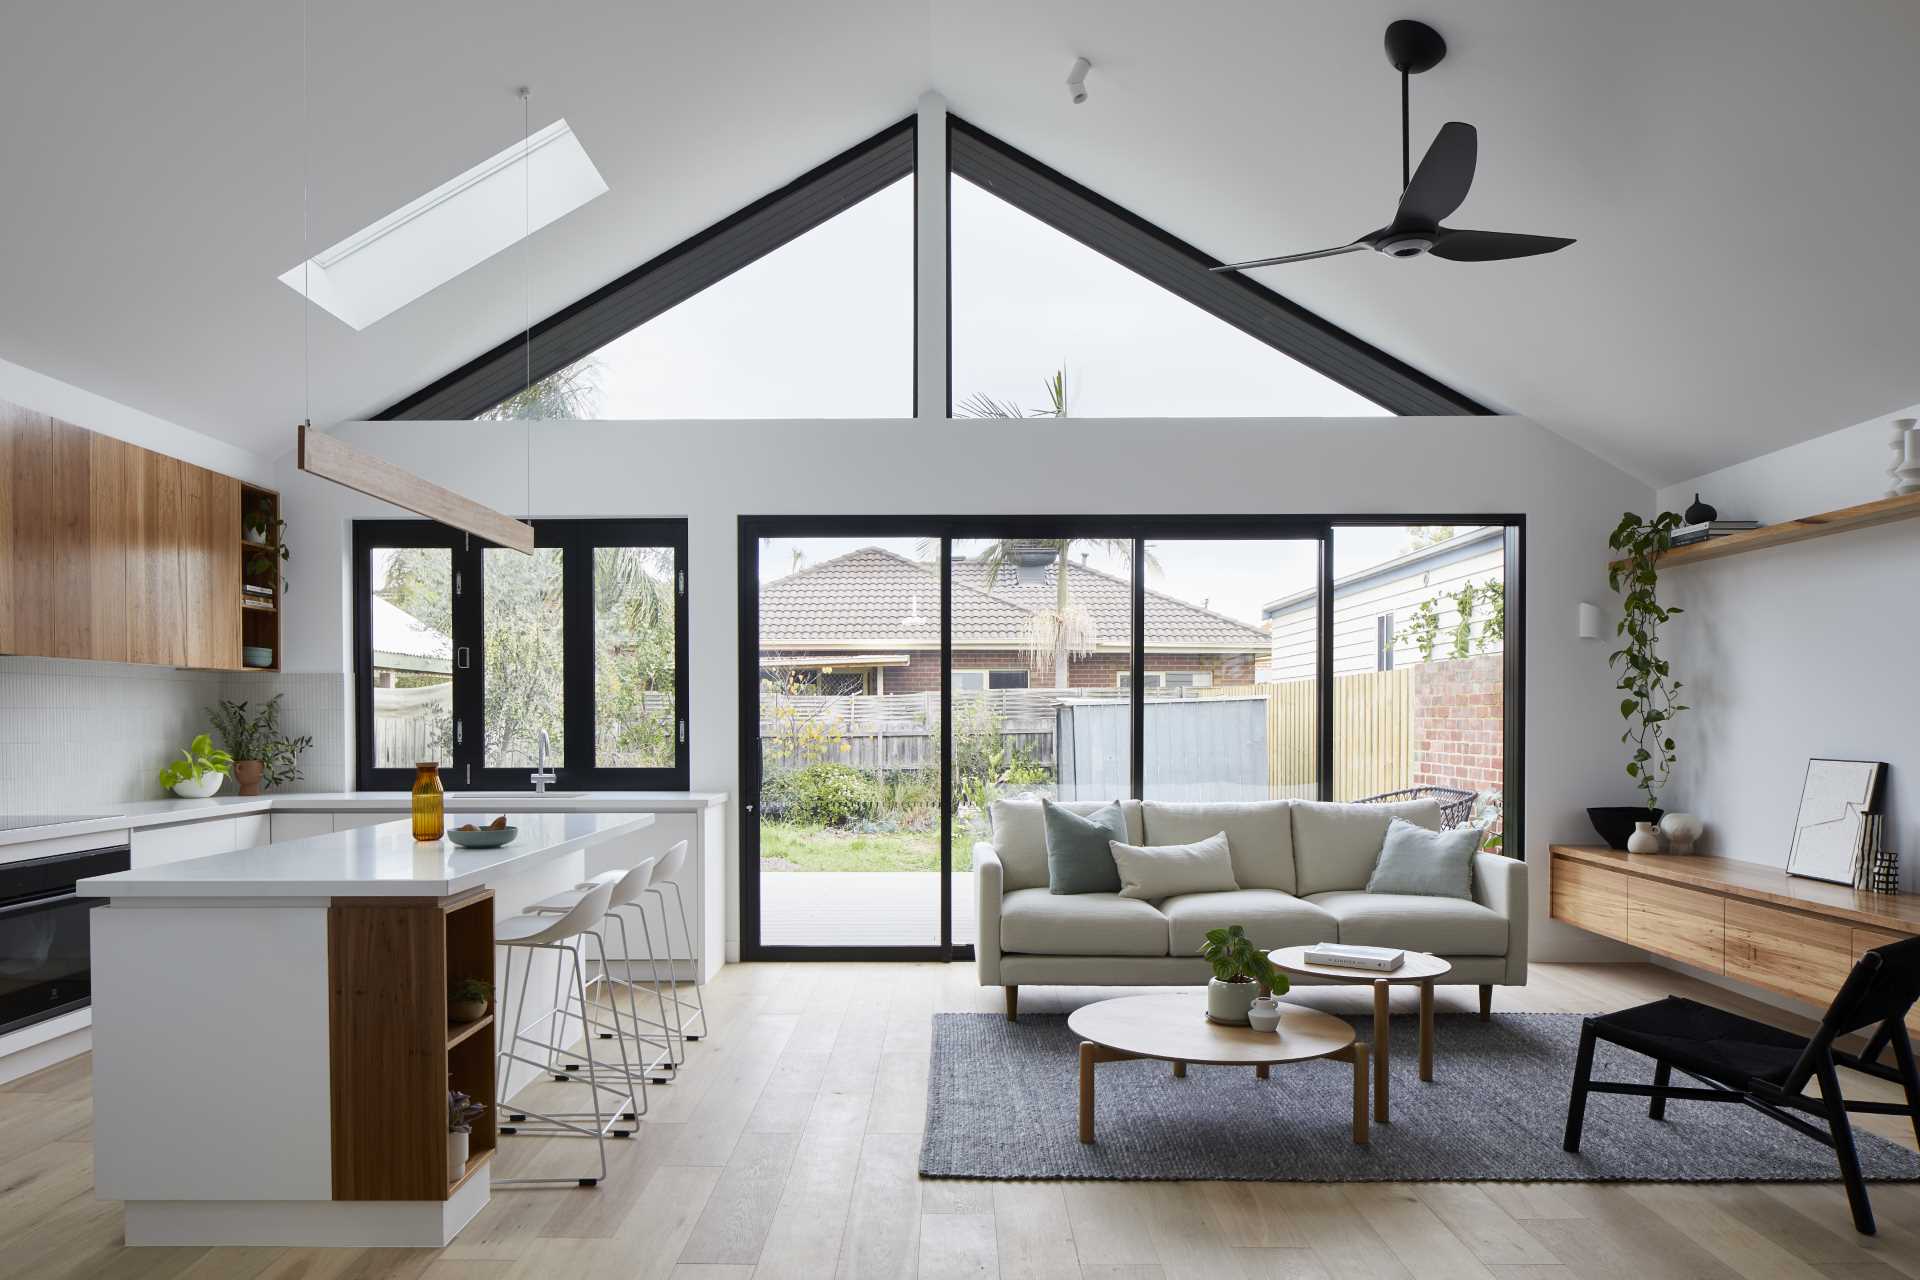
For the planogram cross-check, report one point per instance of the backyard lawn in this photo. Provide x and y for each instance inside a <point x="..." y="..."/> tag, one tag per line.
<point x="788" y="846"/>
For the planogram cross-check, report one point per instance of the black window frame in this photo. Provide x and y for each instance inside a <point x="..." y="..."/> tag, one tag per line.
<point x="1181" y="269"/>
<point x="669" y="279"/>
<point x="943" y="531"/>
<point x="577" y="771"/>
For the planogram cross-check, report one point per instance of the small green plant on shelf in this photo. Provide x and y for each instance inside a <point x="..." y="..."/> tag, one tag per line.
<point x="200" y="759"/>
<point x="462" y="1111"/>
<point x="1235" y="959"/>
<point x="266" y="539"/>
<point x="467" y="999"/>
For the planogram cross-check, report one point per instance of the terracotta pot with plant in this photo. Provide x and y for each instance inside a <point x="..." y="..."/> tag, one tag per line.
<point x="1241" y="973"/>
<point x="262" y="754"/>
<point x="467" y="1000"/>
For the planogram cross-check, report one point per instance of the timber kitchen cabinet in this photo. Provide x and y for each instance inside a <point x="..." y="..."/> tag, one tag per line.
<point x="113" y="552"/>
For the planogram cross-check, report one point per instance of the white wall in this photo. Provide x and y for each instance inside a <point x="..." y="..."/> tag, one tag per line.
<point x="83" y="408"/>
<point x="1799" y="651"/>
<point x="712" y="472"/>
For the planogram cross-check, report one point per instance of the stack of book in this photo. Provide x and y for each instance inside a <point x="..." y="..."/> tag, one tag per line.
<point x="1691" y="533"/>
<point x="1867" y="849"/>
<point x="1379" y="959"/>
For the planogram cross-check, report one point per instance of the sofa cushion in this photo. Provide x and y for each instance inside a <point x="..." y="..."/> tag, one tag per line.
<point x="1259" y="833"/>
<point x="1444" y="926"/>
<point x="1438" y="864"/>
<point x="1079" y="848"/>
<point x="1020" y="835"/>
<point x="1336" y="845"/>
<point x="1040" y="923"/>
<point x="1271" y="919"/>
<point x="1153" y="872"/>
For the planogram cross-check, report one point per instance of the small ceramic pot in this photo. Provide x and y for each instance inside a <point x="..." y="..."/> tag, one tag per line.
<point x="466" y="1010"/>
<point x="456" y="1153"/>
<point x="1229" y="1001"/>
<point x="1264" y="1014"/>
<point x="247" y="774"/>
<point x="205" y="786"/>
<point x="1645" y="838"/>
<point x="1682" y="830"/>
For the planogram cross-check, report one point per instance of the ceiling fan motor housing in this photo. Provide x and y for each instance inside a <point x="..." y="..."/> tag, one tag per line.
<point x="1406" y="244"/>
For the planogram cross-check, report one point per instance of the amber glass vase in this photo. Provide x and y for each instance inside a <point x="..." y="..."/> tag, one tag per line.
<point x="429" y="802"/>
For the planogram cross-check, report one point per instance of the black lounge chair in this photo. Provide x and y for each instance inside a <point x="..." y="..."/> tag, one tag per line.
<point x="1736" y="1059"/>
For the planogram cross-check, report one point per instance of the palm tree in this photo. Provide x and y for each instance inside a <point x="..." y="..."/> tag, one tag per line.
<point x="982" y="405"/>
<point x="1067" y="630"/>
<point x="572" y="392"/>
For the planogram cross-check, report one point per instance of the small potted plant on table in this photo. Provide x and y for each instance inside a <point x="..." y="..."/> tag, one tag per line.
<point x="467" y="999"/>
<point x="462" y="1111"/>
<point x="261" y="752"/>
<point x="199" y="771"/>
<point x="1242" y="974"/>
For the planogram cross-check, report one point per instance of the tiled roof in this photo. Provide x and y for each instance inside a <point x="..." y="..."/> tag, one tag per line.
<point x="873" y="596"/>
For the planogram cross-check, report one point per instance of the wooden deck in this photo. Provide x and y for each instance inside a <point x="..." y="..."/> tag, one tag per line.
<point x="860" y="908"/>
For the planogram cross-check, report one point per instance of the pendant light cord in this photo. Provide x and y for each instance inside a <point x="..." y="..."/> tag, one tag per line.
<point x="306" y="180"/>
<point x="526" y="268"/>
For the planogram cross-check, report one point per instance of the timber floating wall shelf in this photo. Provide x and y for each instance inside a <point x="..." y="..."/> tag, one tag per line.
<point x="331" y="459"/>
<point x="1845" y="520"/>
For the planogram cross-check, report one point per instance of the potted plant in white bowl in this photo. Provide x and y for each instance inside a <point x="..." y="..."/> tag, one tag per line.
<point x="199" y="771"/>
<point x="462" y="1111"/>
<point x="1242" y="974"/>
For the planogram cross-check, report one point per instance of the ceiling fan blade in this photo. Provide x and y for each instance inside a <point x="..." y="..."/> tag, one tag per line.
<point x="1443" y="178"/>
<point x="1293" y="257"/>
<point x="1492" y="246"/>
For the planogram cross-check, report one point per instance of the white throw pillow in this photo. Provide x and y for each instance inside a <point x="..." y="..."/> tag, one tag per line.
<point x="1163" y="870"/>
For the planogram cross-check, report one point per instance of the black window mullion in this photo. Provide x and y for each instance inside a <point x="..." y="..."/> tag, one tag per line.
<point x="576" y="643"/>
<point x="946" y="745"/>
<point x="1137" y="664"/>
<point x="1323" y="670"/>
<point x="469" y="643"/>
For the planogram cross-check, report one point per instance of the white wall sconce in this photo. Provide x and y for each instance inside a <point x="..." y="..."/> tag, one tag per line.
<point x="1589" y="621"/>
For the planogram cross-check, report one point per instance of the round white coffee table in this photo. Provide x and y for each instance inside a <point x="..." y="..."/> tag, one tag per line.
<point x="1418" y="967"/>
<point x="1175" y="1028"/>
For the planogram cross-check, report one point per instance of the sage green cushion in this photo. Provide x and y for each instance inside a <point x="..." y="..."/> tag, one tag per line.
<point x="1427" y="864"/>
<point x="1020" y="835"/>
<point x="1079" y="848"/>
<point x="1335" y="846"/>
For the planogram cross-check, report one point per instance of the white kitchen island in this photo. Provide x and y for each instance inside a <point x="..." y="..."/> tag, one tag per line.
<point x="270" y="1038"/>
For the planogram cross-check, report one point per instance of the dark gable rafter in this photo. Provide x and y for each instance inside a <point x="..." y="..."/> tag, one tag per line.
<point x="1182" y="270"/>
<point x="669" y="279"/>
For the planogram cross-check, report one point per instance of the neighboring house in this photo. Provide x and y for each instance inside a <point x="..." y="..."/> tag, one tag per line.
<point x="1374" y="609"/>
<point x="404" y="646"/>
<point x="869" y="622"/>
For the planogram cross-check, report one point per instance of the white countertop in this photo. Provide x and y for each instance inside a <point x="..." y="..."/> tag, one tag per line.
<point x="382" y="861"/>
<point x="160" y="813"/>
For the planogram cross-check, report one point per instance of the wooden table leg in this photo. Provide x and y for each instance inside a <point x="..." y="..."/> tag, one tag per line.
<point x="1261" y="1071"/>
<point x="1359" y="1093"/>
<point x="1086" y="1091"/>
<point x="1380" y="989"/>
<point x="1179" y="1071"/>
<point x="1426" y="1030"/>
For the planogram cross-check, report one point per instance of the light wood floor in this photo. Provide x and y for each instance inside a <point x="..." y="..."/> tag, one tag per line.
<point x="789" y="1149"/>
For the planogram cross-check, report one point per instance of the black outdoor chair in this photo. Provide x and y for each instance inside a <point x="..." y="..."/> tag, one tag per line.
<point x="1740" y="1060"/>
<point x="1456" y="806"/>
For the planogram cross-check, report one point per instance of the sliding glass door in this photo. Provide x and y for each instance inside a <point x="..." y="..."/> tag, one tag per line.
<point x="900" y="675"/>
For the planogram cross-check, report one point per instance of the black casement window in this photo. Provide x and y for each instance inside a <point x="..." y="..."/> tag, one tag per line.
<point x="490" y="662"/>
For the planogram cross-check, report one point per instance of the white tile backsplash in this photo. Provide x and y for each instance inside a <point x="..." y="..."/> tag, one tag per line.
<point x="86" y="734"/>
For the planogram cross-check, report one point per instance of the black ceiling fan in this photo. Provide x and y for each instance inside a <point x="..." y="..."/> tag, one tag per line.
<point x="1435" y="190"/>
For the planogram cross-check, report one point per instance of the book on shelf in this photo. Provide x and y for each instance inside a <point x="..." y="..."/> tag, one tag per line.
<point x="1700" y="532"/>
<point x="1347" y="956"/>
<point x="254" y="589"/>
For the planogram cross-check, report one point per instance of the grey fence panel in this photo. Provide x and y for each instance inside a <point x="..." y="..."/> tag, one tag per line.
<point x="1200" y="749"/>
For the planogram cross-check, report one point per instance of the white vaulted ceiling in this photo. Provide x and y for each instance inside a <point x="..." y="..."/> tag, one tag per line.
<point x="1741" y="176"/>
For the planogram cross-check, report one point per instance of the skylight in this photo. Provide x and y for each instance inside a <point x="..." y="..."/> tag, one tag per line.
<point x="453" y="228"/>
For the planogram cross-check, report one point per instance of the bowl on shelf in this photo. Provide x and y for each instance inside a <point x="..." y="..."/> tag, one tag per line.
<point x="482" y="837"/>
<point x="200" y="788"/>
<point x="255" y="655"/>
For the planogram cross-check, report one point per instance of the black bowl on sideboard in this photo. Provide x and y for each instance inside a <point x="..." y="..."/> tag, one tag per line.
<point x="1615" y="822"/>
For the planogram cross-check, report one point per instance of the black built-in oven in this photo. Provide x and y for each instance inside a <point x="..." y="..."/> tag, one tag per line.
<point x="45" y="963"/>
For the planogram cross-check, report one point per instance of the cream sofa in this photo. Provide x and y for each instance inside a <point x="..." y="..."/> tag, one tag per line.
<point x="1302" y="868"/>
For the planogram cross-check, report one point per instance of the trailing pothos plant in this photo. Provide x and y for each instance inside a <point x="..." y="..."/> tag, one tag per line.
<point x="1650" y="702"/>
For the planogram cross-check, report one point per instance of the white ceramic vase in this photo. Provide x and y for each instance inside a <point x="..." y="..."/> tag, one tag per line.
<point x="1645" y="839"/>
<point x="457" y="1153"/>
<point x="1264" y="1014"/>
<point x="1682" y="831"/>
<point x="1229" y="1001"/>
<point x="201" y="788"/>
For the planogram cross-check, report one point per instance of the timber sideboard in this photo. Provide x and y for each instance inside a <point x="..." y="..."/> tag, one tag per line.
<point x="1743" y="920"/>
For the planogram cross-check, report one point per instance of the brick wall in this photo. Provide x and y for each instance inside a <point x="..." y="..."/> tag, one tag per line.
<point x="1458" y="718"/>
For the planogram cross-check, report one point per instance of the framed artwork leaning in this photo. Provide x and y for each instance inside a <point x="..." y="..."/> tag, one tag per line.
<point x="1828" y="830"/>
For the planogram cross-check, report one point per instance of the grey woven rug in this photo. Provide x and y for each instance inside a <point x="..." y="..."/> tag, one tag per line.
<point x="1002" y="1103"/>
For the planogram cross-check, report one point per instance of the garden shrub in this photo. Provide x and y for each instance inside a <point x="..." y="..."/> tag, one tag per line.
<point x="826" y="795"/>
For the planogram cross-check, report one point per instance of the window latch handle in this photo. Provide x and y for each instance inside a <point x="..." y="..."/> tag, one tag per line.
<point x="462" y="661"/>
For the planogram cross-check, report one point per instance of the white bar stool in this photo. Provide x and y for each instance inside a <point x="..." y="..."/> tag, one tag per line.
<point x="626" y="888"/>
<point x="624" y="899"/>
<point x="561" y="933"/>
<point x="666" y="876"/>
